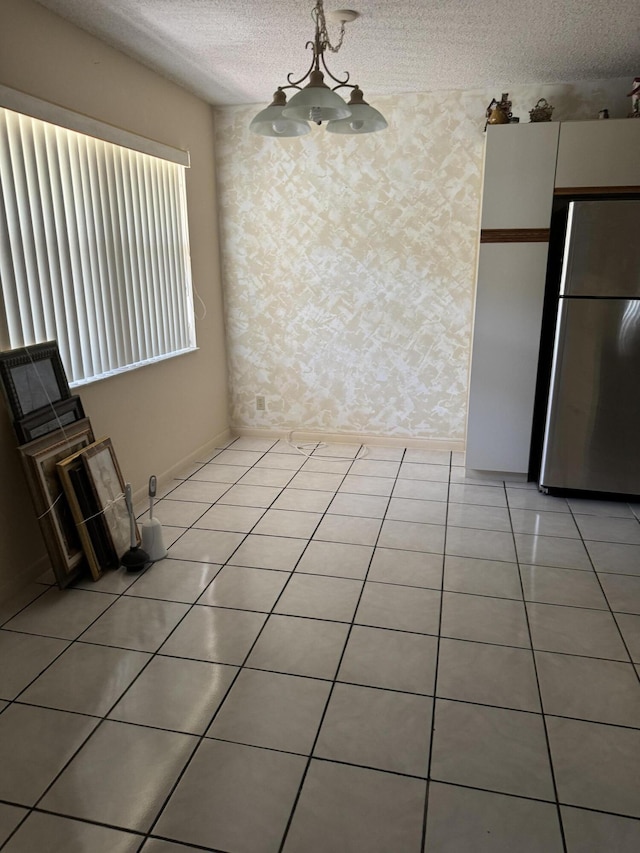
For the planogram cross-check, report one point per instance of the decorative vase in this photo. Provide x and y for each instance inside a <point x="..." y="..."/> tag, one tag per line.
<point x="497" y="115"/>
<point x="499" y="112"/>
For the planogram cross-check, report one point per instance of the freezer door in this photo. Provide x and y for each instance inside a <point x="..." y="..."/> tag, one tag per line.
<point x="601" y="256"/>
<point x="592" y="435"/>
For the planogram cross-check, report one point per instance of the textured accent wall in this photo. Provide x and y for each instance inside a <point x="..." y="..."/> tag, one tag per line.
<point x="349" y="262"/>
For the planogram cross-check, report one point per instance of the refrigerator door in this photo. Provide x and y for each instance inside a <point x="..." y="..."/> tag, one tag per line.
<point x="592" y="432"/>
<point x="601" y="256"/>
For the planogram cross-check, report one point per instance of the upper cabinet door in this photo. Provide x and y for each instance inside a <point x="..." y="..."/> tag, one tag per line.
<point x="519" y="172"/>
<point x="599" y="154"/>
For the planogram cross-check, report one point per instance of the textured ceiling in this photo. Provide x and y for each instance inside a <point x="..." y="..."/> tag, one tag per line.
<point x="239" y="51"/>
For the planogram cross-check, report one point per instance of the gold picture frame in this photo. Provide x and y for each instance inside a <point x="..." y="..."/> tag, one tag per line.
<point x="108" y="486"/>
<point x="89" y="520"/>
<point x="40" y="460"/>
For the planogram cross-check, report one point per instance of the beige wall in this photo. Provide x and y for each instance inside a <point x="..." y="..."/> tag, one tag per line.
<point x="349" y="262"/>
<point x="161" y="414"/>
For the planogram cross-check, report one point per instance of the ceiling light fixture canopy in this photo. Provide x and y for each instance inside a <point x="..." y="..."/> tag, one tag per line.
<point x="317" y="102"/>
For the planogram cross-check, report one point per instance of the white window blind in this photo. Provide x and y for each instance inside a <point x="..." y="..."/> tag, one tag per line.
<point x="94" y="249"/>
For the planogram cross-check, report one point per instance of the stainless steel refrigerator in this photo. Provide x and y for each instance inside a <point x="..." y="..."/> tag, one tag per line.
<point x="592" y="430"/>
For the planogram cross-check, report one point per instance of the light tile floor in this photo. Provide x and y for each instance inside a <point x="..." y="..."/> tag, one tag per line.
<point x="339" y="654"/>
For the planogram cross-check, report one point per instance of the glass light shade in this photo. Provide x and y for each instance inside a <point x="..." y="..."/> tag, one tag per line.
<point x="316" y="102"/>
<point x="271" y="122"/>
<point x="363" y="118"/>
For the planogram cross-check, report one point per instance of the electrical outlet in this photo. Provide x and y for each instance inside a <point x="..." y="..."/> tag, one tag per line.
<point x="260" y="403"/>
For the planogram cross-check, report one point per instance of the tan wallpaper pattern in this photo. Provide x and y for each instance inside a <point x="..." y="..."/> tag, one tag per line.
<point x="349" y="262"/>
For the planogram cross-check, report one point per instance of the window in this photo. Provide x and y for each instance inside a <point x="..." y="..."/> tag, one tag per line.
<point x="94" y="249"/>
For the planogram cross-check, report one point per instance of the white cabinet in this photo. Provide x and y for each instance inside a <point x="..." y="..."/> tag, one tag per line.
<point x="519" y="170"/>
<point x="599" y="154"/>
<point x="506" y="339"/>
<point x="522" y="164"/>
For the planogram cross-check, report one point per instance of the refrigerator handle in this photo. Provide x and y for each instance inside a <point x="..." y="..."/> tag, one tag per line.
<point x="566" y="252"/>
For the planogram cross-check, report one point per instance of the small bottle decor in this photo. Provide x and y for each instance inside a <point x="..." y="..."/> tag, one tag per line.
<point x="542" y="111"/>
<point x="634" y="94"/>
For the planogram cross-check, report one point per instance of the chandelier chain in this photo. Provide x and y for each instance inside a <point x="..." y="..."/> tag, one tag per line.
<point x="323" y="33"/>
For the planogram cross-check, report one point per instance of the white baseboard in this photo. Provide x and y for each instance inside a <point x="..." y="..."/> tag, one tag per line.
<point x="371" y="439"/>
<point x="202" y="454"/>
<point x="510" y="476"/>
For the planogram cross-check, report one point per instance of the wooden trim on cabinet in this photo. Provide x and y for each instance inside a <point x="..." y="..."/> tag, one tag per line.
<point x="595" y="190"/>
<point x="514" y="235"/>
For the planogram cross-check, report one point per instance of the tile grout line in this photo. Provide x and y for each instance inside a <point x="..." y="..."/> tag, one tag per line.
<point x="83" y="743"/>
<point x="202" y="737"/>
<point x="425" y="815"/>
<point x="337" y="670"/>
<point x="115" y="827"/>
<point x="19" y="611"/>
<point x="160" y="654"/>
<point x="606" y="598"/>
<point x="535" y="669"/>
<point x="225" y="492"/>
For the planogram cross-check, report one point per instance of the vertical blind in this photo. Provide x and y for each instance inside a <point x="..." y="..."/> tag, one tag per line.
<point x="94" y="249"/>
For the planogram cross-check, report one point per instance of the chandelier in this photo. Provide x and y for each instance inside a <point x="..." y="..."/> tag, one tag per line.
<point x="317" y="102"/>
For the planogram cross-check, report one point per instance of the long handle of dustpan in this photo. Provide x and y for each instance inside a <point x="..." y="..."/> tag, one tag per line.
<point x="132" y="524"/>
<point x="152" y="493"/>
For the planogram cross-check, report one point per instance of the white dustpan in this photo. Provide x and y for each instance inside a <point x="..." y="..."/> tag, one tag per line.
<point x="152" y="529"/>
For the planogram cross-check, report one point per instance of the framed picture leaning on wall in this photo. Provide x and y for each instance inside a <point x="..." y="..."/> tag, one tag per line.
<point x="40" y="459"/>
<point x="33" y="377"/>
<point x="90" y="522"/>
<point x="48" y="419"/>
<point x="108" y="486"/>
